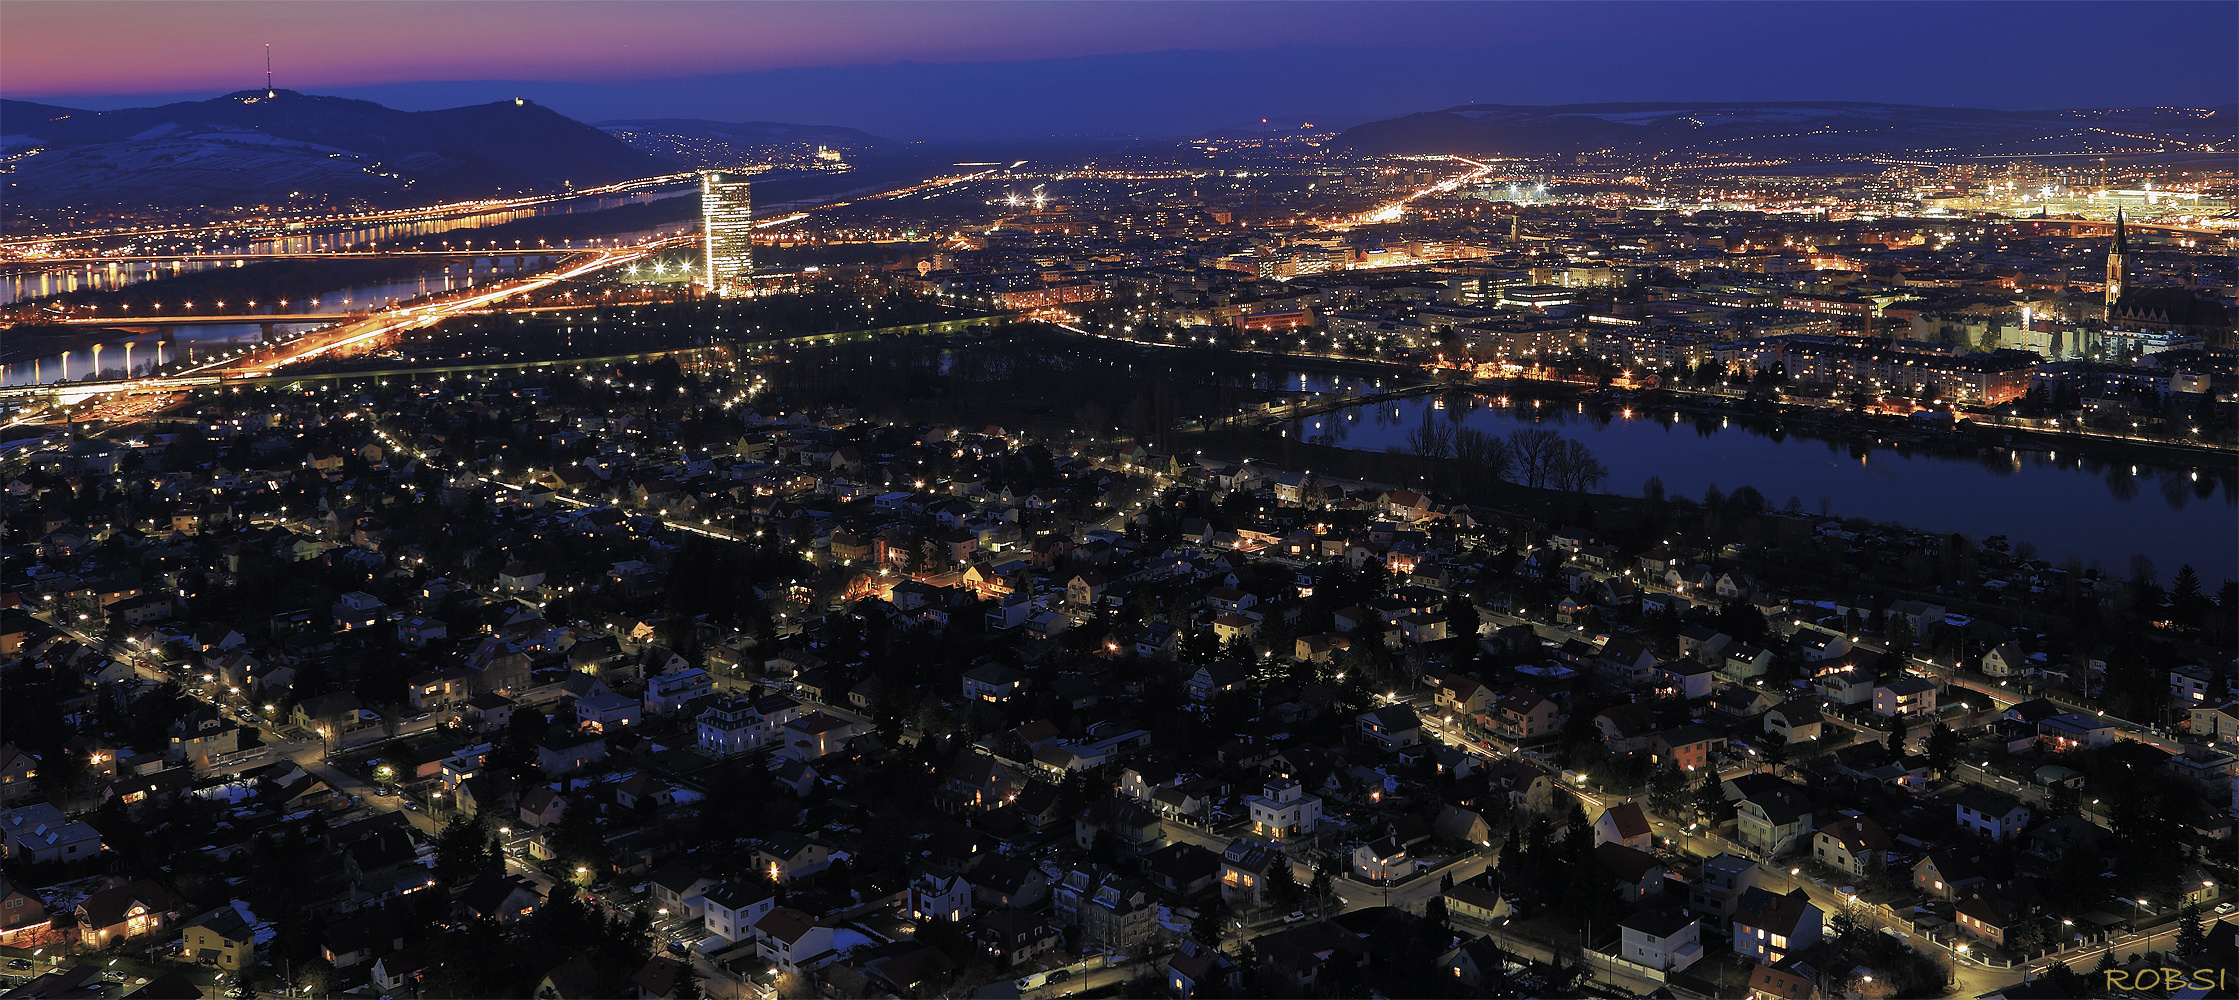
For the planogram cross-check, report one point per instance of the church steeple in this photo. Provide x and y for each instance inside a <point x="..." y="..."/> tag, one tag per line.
<point x="2118" y="263"/>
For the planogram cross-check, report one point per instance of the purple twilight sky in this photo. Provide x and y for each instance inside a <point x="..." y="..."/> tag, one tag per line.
<point x="928" y="70"/>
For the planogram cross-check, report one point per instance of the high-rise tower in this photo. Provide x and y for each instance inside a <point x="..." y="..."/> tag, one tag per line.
<point x="727" y="227"/>
<point x="2118" y="264"/>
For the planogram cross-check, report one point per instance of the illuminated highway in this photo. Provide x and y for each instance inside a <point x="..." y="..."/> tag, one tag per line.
<point x="1391" y="211"/>
<point x="126" y="400"/>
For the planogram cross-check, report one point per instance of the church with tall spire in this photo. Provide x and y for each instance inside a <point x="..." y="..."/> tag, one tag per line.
<point x="2164" y="311"/>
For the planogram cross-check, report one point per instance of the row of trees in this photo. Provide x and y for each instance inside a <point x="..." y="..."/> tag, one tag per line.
<point x="1531" y="456"/>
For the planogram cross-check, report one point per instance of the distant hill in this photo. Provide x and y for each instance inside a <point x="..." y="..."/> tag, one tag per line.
<point x="703" y="143"/>
<point x="1788" y="128"/>
<point x="250" y="148"/>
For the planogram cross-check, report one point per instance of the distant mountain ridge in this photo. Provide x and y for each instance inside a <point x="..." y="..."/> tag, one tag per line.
<point x="1787" y="128"/>
<point x="703" y="143"/>
<point x="254" y="146"/>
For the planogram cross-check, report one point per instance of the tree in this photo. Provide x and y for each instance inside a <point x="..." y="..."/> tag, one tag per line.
<point x="1434" y="912"/>
<point x="1432" y="440"/>
<point x="1323" y="888"/>
<point x="1533" y="449"/>
<point x="1896" y="741"/>
<point x="1461" y="618"/>
<point x="1942" y="749"/>
<point x="2192" y="934"/>
<point x="462" y="852"/>
<point x="1710" y="796"/>
<point x="1667" y="787"/>
<point x="1482" y="455"/>
<point x="687" y="983"/>
<point x="1282" y="885"/>
<point x="1212" y="923"/>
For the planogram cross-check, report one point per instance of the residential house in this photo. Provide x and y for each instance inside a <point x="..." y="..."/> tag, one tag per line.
<point x="794" y="941"/>
<point x="1665" y="940"/>
<point x="667" y="694"/>
<point x="19" y="771"/>
<point x="1478" y="899"/>
<point x="1283" y="810"/>
<point x="1719" y="883"/>
<point x="1767" y="982"/>
<point x="2005" y="660"/>
<point x="1946" y="873"/>
<point x="23" y="918"/>
<point x="1523" y="715"/>
<point x="1854" y="845"/>
<point x="935" y="895"/>
<point x="1118" y="916"/>
<point x="503" y="899"/>
<point x="220" y="938"/>
<point x="788" y="858"/>
<point x="1769" y="928"/>
<point x="681" y="890"/>
<point x="1014" y="937"/>
<point x="731" y="909"/>
<point x="1390" y="727"/>
<point x="1774" y="819"/>
<point x="1624" y="823"/>
<point x="1215" y="679"/>
<point x="1688" y="746"/>
<point x="1196" y="969"/>
<point x="1626" y="728"/>
<point x="1989" y="814"/>
<point x="1382" y="861"/>
<point x="542" y="806"/>
<point x="1794" y="721"/>
<point x="1992" y="916"/>
<point x="1636" y="874"/>
<point x="125" y="910"/>
<point x="1460" y="695"/>
<point x="737" y="726"/>
<point x="1911" y="697"/>
<point x="992" y="682"/>
<point x="1245" y="865"/>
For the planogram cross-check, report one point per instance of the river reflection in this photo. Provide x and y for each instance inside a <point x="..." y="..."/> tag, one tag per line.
<point x="2102" y="511"/>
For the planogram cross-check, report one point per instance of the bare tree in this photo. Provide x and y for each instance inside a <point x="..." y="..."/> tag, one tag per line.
<point x="1573" y="467"/>
<point x="1533" y="448"/>
<point x="1432" y="440"/>
<point x="1483" y="454"/>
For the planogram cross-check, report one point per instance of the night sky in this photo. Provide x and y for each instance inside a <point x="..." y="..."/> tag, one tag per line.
<point x="1014" y="70"/>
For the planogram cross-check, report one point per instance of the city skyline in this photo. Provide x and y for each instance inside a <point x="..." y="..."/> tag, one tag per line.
<point x="747" y="501"/>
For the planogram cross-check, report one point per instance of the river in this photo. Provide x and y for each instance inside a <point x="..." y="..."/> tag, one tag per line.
<point x="2063" y="504"/>
<point x="149" y="349"/>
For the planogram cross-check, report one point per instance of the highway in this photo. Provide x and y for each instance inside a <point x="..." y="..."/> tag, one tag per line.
<point x="126" y="400"/>
<point x="123" y="320"/>
<point x="157" y="393"/>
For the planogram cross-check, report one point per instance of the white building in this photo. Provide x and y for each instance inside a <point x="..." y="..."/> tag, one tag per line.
<point x="1669" y="940"/>
<point x="1283" y="809"/>
<point x="727" y="228"/>
<point x="731" y="910"/>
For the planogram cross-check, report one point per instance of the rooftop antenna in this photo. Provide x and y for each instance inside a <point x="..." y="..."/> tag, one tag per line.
<point x="268" y="91"/>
